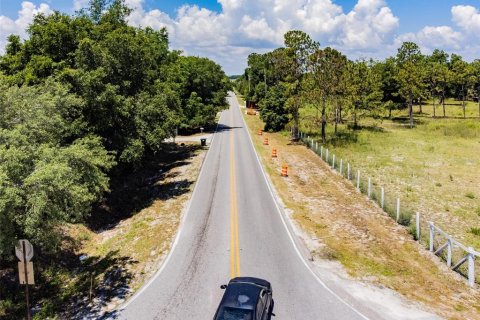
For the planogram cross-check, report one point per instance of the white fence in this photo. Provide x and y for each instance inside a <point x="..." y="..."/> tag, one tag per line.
<point x="458" y="257"/>
<point x="448" y="248"/>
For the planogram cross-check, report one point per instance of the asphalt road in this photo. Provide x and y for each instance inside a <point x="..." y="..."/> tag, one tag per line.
<point x="233" y="227"/>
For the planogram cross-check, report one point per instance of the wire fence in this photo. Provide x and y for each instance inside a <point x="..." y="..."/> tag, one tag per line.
<point x="403" y="214"/>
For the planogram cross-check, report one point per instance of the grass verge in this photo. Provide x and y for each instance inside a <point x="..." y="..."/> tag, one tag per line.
<point x="357" y="233"/>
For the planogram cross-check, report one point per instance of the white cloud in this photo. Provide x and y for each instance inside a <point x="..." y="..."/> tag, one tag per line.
<point x="370" y="29"/>
<point x="467" y="18"/>
<point x="80" y="4"/>
<point x="18" y="26"/>
<point x="260" y="25"/>
<point x="430" y="38"/>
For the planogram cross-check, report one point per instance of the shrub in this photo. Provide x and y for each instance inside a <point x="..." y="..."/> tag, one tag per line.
<point x="470" y="195"/>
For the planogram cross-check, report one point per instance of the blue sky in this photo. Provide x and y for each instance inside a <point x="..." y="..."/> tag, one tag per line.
<point x="413" y="14"/>
<point x="228" y="30"/>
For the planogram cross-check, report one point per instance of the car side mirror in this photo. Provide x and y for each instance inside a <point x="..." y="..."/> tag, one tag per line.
<point x="223" y="286"/>
<point x="273" y="314"/>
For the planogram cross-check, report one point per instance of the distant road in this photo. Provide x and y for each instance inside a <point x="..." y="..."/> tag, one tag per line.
<point x="233" y="227"/>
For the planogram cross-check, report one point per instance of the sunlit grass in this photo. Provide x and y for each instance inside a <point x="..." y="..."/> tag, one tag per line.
<point x="433" y="167"/>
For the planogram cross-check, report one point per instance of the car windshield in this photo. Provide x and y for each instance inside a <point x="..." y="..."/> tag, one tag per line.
<point x="227" y="313"/>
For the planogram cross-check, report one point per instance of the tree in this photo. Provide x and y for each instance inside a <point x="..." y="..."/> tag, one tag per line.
<point x="463" y="78"/>
<point x="437" y="75"/>
<point x="272" y="109"/>
<point x="80" y="95"/>
<point x="410" y="74"/>
<point x="48" y="176"/>
<point x="328" y="69"/>
<point x="365" y="88"/>
<point x="299" y="46"/>
<point x="476" y="81"/>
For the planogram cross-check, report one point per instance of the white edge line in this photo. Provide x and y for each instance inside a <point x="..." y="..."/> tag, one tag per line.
<point x="270" y="188"/>
<point x="177" y="237"/>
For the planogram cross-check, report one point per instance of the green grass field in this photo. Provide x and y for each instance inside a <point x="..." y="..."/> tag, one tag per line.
<point x="433" y="168"/>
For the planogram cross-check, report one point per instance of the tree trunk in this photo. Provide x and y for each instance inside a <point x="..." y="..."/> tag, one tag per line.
<point x="433" y="102"/>
<point x="463" y="102"/>
<point x="324" y="121"/>
<point x="390" y="112"/>
<point x="336" y="116"/>
<point x="443" y="103"/>
<point x="324" y="125"/>
<point x="410" y="109"/>
<point x="420" y="105"/>
<point x="355" y="116"/>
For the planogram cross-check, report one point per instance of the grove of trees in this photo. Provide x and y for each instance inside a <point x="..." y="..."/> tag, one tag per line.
<point x="85" y="96"/>
<point x="302" y="73"/>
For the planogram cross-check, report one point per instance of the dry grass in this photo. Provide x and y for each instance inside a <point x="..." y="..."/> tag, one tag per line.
<point x="432" y="168"/>
<point x="356" y="232"/>
<point x="146" y="236"/>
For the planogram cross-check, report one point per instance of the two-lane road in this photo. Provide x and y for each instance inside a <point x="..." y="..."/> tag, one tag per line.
<point x="233" y="227"/>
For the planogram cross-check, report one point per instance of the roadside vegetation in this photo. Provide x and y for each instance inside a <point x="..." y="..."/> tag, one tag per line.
<point x="410" y="122"/>
<point x="86" y="105"/>
<point x="348" y="228"/>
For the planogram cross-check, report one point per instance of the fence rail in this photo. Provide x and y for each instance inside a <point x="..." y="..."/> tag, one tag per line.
<point x="457" y="256"/>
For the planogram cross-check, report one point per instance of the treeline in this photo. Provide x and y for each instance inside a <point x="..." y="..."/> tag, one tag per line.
<point x="302" y="73"/>
<point x="82" y="95"/>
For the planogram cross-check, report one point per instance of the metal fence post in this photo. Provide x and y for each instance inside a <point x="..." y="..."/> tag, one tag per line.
<point x="449" y="252"/>
<point x="321" y="152"/>
<point x="369" y="187"/>
<point x="417" y="225"/>
<point x="471" y="267"/>
<point x="358" y="180"/>
<point x="383" y="198"/>
<point x="326" y="156"/>
<point x="432" y="234"/>
<point x="341" y="167"/>
<point x="316" y="147"/>
<point x="398" y="209"/>
<point x="348" y="171"/>
<point x="333" y="162"/>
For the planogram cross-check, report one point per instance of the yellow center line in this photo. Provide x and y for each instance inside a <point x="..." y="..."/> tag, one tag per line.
<point x="234" y="243"/>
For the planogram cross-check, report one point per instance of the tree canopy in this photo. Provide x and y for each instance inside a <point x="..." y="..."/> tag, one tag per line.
<point x="84" y="94"/>
<point x="339" y="88"/>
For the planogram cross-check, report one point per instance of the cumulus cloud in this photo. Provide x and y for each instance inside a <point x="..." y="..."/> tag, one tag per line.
<point x="430" y="38"/>
<point x="25" y="16"/>
<point x="462" y="38"/>
<point x="244" y="26"/>
<point x="467" y="18"/>
<point x="370" y="29"/>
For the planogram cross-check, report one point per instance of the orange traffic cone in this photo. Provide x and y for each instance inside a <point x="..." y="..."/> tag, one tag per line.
<point x="265" y="141"/>
<point x="284" y="170"/>
<point x="274" y="153"/>
<point x="260" y="132"/>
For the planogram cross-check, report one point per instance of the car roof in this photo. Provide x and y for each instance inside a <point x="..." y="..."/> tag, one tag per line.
<point x="242" y="295"/>
<point x="257" y="281"/>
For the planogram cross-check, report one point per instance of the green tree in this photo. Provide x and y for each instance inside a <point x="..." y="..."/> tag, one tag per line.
<point x="462" y="78"/>
<point x="298" y="48"/>
<point x="272" y="109"/>
<point x="410" y="74"/>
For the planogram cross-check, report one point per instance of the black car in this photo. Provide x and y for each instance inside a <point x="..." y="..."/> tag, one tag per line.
<point x="246" y="298"/>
